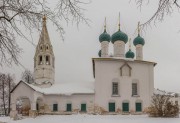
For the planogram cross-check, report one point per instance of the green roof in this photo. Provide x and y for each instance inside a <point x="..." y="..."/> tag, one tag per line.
<point x="130" y="54"/>
<point x="138" y="40"/>
<point x="104" y="37"/>
<point x="119" y="35"/>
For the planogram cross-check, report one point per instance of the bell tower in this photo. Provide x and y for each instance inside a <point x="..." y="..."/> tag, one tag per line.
<point x="44" y="59"/>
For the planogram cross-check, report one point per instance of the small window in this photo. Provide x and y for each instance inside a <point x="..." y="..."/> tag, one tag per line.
<point x="47" y="60"/>
<point x="134" y="89"/>
<point x="115" y="88"/>
<point x="40" y="60"/>
<point x="37" y="106"/>
<point x="125" y="107"/>
<point x="138" y="107"/>
<point x="83" y="107"/>
<point x="55" y="107"/>
<point x="47" y="47"/>
<point x="69" y="107"/>
<point x="111" y="107"/>
<point x="41" y="47"/>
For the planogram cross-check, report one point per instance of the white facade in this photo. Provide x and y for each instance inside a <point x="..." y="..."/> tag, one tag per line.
<point x="122" y="85"/>
<point x="125" y="73"/>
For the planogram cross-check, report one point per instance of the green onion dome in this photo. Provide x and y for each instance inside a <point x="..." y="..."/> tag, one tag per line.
<point x="119" y="35"/>
<point x="104" y="37"/>
<point x="130" y="54"/>
<point x="99" y="53"/>
<point x="138" y="40"/>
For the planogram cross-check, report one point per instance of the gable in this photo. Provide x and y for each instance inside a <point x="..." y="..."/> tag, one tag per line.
<point x="22" y="84"/>
<point x="125" y="70"/>
<point x="21" y="87"/>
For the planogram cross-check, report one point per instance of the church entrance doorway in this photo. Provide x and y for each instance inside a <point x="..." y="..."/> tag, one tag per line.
<point x="39" y="105"/>
<point x="23" y="106"/>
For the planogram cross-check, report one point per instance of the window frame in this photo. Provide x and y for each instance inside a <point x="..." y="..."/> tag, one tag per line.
<point x="55" y="107"/>
<point x="123" y="106"/>
<point x="136" y="91"/>
<point x="70" y="104"/>
<point x="47" y="60"/>
<point x="85" y="107"/>
<point x="114" y="107"/>
<point x="137" y="106"/>
<point x="40" y="60"/>
<point x="112" y="87"/>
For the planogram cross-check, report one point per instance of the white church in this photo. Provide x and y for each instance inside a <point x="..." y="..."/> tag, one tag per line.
<point x="123" y="83"/>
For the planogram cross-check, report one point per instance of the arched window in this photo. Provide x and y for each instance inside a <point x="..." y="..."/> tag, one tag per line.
<point x="135" y="90"/>
<point x="47" y="47"/>
<point x="48" y="60"/>
<point x="41" y="47"/>
<point x="40" y="60"/>
<point x="115" y="87"/>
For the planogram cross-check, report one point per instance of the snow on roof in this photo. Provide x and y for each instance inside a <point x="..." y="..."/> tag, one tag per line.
<point x="66" y="88"/>
<point x="124" y="59"/>
<point x="161" y="92"/>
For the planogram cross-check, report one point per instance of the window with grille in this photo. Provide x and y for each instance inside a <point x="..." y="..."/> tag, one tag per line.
<point x="134" y="89"/>
<point x="115" y="88"/>
<point x="55" y="107"/>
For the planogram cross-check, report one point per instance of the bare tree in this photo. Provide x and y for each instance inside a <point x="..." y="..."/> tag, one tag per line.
<point x="16" y="15"/>
<point x="165" y="7"/>
<point x="27" y="76"/>
<point x="162" y="106"/>
<point x="6" y="85"/>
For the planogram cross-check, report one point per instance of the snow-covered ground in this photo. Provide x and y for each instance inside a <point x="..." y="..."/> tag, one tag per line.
<point x="92" y="119"/>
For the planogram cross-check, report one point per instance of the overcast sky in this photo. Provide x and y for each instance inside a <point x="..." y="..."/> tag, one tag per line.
<point x="73" y="55"/>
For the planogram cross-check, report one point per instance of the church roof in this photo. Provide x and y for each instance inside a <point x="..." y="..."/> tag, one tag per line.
<point x="44" y="37"/>
<point x="63" y="88"/>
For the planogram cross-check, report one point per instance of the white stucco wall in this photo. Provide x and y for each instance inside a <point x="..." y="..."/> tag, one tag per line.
<point x="22" y="91"/>
<point x="106" y="71"/>
<point x="75" y="100"/>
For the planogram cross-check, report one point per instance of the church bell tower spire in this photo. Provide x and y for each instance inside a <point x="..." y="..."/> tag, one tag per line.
<point x="44" y="59"/>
